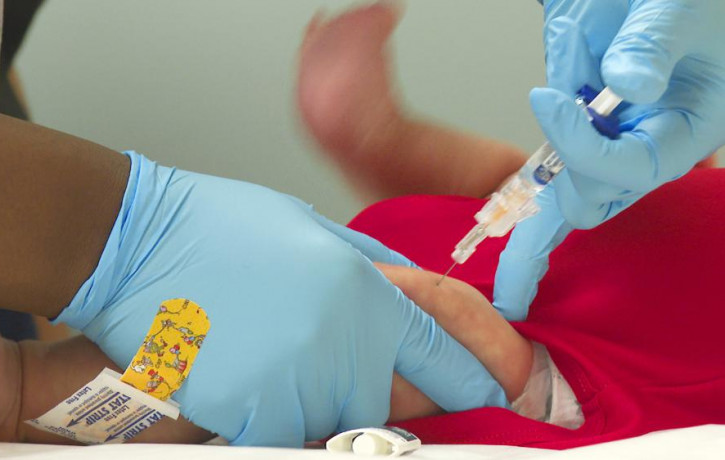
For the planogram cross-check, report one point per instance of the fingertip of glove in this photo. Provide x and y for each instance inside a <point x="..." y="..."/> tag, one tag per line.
<point x="397" y="258"/>
<point x="542" y="100"/>
<point x="511" y="309"/>
<point x="553" y="109"/>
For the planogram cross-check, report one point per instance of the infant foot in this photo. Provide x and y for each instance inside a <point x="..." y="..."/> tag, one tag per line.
<point x="344" y="91"/>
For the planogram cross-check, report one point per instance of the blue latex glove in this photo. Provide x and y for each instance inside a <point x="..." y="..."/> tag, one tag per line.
<point x="665" y="56"/>
<point x="305" y="331"/>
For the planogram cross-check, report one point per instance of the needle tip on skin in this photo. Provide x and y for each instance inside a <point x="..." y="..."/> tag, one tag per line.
<point x="445" y="274"/>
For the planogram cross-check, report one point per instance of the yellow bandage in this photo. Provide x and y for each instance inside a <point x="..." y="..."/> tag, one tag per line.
<point x="164" y="360"/>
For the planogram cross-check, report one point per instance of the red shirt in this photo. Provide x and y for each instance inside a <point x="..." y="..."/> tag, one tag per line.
<point x="632" y="312"/>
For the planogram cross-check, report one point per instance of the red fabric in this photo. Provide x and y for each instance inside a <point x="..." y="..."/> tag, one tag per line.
<point x="631" y="312"/>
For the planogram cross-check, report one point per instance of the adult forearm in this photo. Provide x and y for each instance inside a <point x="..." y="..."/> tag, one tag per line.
<point x="59" y="197"/>
<point x="10" y="389"/>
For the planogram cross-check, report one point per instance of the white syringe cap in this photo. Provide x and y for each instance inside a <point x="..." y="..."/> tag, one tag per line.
<point x="605" y="102"/>
<point x="370" y="444"/>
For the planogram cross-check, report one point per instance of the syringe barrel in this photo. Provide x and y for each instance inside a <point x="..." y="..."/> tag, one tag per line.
<point x="542" y="166"/>
<point x="516" y="200"/>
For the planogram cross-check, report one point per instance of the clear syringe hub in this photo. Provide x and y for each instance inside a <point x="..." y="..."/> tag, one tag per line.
<point x="512" y="204"/>
<point x="467" y="246"/>
<point x="516" y="200"/>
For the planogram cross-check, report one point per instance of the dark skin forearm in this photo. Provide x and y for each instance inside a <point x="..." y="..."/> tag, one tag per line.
<point x="59" y="197"/>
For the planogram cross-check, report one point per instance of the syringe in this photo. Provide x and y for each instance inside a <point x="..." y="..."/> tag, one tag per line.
<point x="516" y="200"/>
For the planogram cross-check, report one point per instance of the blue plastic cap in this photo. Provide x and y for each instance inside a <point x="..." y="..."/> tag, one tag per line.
<point x="607" y="126"/>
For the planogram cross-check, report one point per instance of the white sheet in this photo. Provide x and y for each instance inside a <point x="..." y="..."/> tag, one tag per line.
<point x="699" y="443"/>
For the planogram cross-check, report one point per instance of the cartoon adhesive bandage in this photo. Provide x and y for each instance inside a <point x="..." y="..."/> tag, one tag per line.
<point x="164" y="360"/>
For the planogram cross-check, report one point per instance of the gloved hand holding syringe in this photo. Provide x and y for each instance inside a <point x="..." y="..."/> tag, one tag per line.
<point x="516" y="200"/>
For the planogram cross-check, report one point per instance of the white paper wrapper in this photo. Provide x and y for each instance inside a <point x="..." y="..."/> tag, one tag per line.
<point x="105" y="411"/>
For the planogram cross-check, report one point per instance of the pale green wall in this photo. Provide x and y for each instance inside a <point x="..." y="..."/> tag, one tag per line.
<point x="208" y="85"/>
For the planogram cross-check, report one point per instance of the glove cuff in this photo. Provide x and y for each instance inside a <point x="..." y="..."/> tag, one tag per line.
<point x="146" y="182"/>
